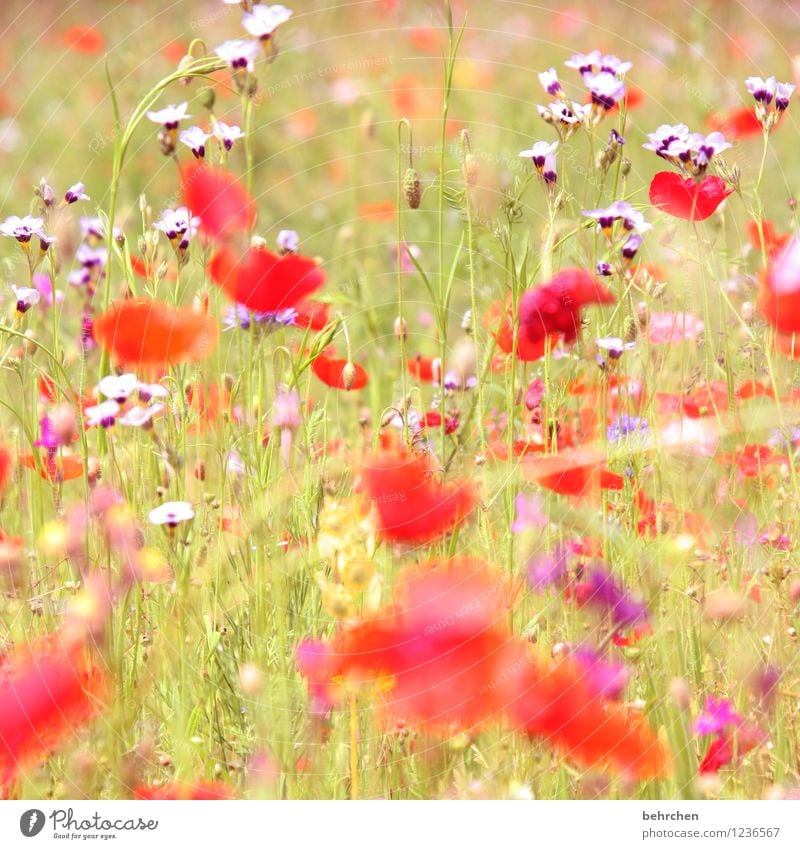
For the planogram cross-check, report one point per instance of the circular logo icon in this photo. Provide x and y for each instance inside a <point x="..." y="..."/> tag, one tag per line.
<point x="31" y="822"/>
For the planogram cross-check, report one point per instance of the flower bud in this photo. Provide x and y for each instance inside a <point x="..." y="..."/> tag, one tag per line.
<point x="348" y="376"/>
<point x="412" y="188"/>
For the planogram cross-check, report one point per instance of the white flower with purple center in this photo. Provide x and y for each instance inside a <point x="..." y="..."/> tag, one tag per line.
<point x="763" y="91"/>
<point x="539" y="152"/>
<point x="707" y="147"/>
<point x="783" y="94"/>
<point x="92" y="228"/>
<point x="619" y="210"/>
<point x="631" y="247"/>
<point x="227" y="134"/>
<point x="264" y="20"/>
<point x="75" y="193"/>
<point x="584" y="62"/>
<point x="614" y="346"/>
<point x="22" y="229"/>
<point x="614" y="65"/>
<point x="25" y="298"/>
<point x="177" y="224"/>
<point x="148" y="391"/>
<point x="170" y="116"/>
<point x="88" y="257"/>
<point x="171" y="514"/>
<point x="665" y="136"/>
<point x="118" y="387"/>
<point x="139" y="416"/>
<point x="288" y="241"/>
<point x="549" y="170"/>
<point x="239" y="53"/>
<point x="102" y="415"/>
<point x="570" y="116"/>
<point x="550" y="83"/>
<point x="195" y="139"/>
<point x="606" y="89"/>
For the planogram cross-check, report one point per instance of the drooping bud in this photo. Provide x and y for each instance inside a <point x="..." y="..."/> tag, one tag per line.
<point x="412" y="188"/>
<point x="401" y="328"/>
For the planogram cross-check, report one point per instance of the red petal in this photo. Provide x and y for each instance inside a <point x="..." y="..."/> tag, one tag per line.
<point x="684" y="198"/>
<point x="331" y="372"/>
<point x="218" y="198"/>
<point x="152" y="334"/>
<point x="412" y="506"/>
<point x="265" y="282"/>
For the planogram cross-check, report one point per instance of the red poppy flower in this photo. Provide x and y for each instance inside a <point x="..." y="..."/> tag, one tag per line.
<point x="752" y="460"/>
<point x="433" y="419"/>
<point x="739" y="123"/>
<point x="312" y="314"/>
<point x="684" y="198"/>
<point x="577" y="473"/>
<point x="65" y="467"/>
<point x="527" y="351"/>
<point x="218" y="198"/>
<point x="265" y="282"/>
<point x="767" y="237"/>
<point x="425" y="369"/>
<point x="175" y="50"/>
<point x="330" y="370"/>
<point x="444" y="658"/>
<point x="412" y="505"/>
<point x="205" y="791"/>
<point x="555" y="307"/>
<point x="146" y="334"/>
<point x="48" y="691"/>
<point x="779" y="298"/>
<point x="84" y="39"/>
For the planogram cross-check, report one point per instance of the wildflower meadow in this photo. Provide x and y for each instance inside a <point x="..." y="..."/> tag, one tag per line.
<point x="399" y="400"/>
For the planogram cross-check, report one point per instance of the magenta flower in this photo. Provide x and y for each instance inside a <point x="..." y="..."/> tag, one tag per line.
<point x="529" y="513"/>
<point x="717" y="717"/>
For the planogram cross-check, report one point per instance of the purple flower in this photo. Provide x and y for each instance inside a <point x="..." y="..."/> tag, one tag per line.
<point x="547" y="569"/>
<point x="627" y="425"/>
<point x="604" y="269"/>
<point x="608" y="594"/>
<point x="717" y="716"/>
<point x="49" y="439"/>
<point x="607" y="680"/>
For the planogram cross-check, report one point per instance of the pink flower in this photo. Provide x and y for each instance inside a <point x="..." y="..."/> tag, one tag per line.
<point x="666" y="327"/>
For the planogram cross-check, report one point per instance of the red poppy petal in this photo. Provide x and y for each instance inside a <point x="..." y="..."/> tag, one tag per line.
<point x="218" y="198"/>
<point x="684" y="198"/>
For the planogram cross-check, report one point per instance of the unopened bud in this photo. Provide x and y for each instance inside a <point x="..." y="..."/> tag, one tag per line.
<point x="348" y="376"/>
<point x="412" y="188"/>
<point x="400" y="328"/>
<point x="471" y="169"/>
